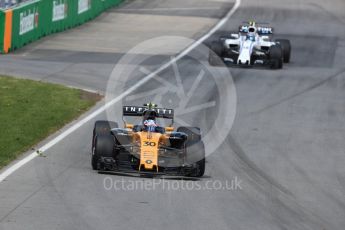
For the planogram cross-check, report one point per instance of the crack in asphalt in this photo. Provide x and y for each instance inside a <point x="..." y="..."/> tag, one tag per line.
<point x="281" y="199"/>
<point x="304" y="91"/>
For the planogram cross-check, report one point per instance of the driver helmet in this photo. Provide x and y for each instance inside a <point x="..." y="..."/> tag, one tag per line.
<point x="149" y="120"/>
<point x="150" y="125"/>
<point x="251" y="36"/>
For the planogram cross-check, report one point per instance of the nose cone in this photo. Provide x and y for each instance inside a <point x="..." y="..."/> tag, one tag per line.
<point x="243" y="61"/>
<point x="245" y="53"/>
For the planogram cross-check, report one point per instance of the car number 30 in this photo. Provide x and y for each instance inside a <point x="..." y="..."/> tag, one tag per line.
<point x="147" y="143"/>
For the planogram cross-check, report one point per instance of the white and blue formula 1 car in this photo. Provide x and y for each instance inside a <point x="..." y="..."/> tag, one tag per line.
<point x="253" y="45"/>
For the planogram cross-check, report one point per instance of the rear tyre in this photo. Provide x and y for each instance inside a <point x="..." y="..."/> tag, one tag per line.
<point x="102" y="128"/>
<point x="195" y="150"/>
<point x="276" y="57"/>
<point x="104" y="147"/>
<point x="286" y="47"/>
<point x="215" y="54"/>
<point x="193" y="133"/>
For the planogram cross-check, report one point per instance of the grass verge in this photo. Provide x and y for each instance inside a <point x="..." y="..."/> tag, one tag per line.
<point x="30" y="111"/>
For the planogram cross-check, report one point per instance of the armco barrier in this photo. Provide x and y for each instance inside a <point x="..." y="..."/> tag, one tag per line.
<point x="25" y="24"/>
<point x="35" y="19"/>
<point x="2" y="28"/>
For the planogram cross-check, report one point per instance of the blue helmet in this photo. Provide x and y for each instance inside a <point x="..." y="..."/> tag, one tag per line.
<point x="251" y="37"/>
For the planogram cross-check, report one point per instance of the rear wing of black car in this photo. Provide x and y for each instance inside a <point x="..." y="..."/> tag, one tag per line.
<point x="137" y="111"/>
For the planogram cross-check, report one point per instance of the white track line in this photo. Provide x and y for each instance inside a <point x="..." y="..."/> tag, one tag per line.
<point x="80" y="123"/>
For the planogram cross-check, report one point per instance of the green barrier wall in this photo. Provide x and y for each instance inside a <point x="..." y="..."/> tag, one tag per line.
<point x="39" y="18"/>
<point x="25" y="27"/>
<point x="2" y="29"/>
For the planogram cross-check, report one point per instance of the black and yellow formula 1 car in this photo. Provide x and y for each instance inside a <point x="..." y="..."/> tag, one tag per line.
<point x="147" y="149"/>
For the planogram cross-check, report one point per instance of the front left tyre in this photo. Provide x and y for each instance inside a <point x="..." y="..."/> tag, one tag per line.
<point x="196" y="155"/>
<point x="195" y="150"/>
<point x="276" y="57"/>
<point x="286" y="47"/>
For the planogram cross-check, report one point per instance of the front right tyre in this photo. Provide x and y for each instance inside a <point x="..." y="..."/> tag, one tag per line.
<point x="101" y="128"/>
<point x="215" y="54"/>
<point x="104" y="147"/>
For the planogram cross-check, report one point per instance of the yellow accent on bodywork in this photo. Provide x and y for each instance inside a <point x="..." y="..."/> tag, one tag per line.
<point x="149" y="149"/>
<point x="8" y="31"/>
<point x="169" y="129"/>
<point x="129" y="126"/>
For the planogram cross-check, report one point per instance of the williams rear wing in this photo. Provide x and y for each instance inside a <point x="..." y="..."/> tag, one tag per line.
<point x="261" y="30"/>
<point x="265" y="30"/>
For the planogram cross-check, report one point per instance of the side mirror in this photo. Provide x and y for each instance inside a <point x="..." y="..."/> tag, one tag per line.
<point x="265" y="37"/>
<point x="169" y="129"/>
<point x="129" y="126"/>
<point x="235" y="36"/>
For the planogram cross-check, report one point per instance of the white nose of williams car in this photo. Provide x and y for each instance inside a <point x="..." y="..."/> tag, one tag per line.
<point x="245" y="52"/>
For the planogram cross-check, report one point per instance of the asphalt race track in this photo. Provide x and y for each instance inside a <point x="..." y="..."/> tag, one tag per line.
<point x="285" y="148"/>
